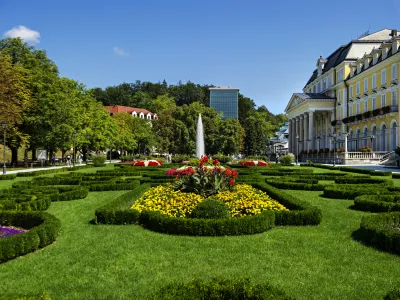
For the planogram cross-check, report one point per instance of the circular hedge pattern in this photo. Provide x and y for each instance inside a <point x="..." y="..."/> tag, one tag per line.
<point x="221" y="289"/>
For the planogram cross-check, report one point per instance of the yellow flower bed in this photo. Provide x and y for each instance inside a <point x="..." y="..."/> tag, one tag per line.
<point x="168" y="201"/>
<point x="243" y="200"/>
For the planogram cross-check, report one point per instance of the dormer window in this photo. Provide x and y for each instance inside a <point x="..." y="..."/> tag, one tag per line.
<point x="321" y="64"/>
<point x="340" y="75"/>
<point x="385" y="50"/>
<point x="134" y="113"/>
<point x="141" y="115"/>
<point x="359" y="67"/>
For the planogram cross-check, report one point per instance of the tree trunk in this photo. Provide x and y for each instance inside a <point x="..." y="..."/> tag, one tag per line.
<point x="14" y="156"/>
<point x="34" y="157"/>
<point x="26" y="157"/>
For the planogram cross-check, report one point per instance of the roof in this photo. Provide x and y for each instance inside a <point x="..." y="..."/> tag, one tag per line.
<point x="222" y="88"/>
<point x="313" y="96"/>
<point x="353" y="50"/>
<point x="121" y="109"/>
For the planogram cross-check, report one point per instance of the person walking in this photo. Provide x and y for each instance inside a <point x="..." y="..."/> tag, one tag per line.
<point x="68" y="159"/>
<point x="53" y="160"/>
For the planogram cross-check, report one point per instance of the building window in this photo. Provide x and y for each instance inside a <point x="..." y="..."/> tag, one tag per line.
<point x="394" y="98"/>
<point x="314" y="89"/>
<point x="374" y="81"/>
<point x="319" y="87"/>
<point x="358" y="108"/>
<point x="383" y="75"/>
<point x="339" y="113"/>
<point x="394" y="72"/>
<point x="351" y="110"/>
<point x="383" y="100"/>
<point x="365" y="105"/>
<point x="373" y="103"/>
<point x="366" y="85"/>
<point x="324" y="84"/>
<point x="330" y="80"/>
<point x="358" y="89"/>
<point x="340" y="75"/>
<point x="338" y="96"/>
<point x="351" y="92"/>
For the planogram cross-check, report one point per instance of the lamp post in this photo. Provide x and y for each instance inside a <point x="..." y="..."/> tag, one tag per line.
<point x="73" y="150"/>
<point x="87" y="149"/>
<point x="297" y="156"/>
<point x="4" y="124"/>
<point x="110" y="148"/>
<point x="372" y="137"/>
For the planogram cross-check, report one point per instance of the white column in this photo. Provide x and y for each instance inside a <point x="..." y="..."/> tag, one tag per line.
<point x="301" y="148"/>
<point x="290" y="136"/>
<point x="326" y="129"/>
<point x="297" y="149"/>
<point x="311" y="129"/>
<point x="294" y="135"/>
<point x="305" y="130"/>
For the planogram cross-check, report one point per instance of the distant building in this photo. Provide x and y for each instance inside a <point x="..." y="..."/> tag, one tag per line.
<point x="279" y="143"/>
<point x="135" y="112"/>
<point x="225" y="99"/>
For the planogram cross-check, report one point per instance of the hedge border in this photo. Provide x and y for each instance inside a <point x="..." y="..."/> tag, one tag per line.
<point x="43" y="228"/>
<point x="291" y="185"/>
<point x="8" y="177"/>
<point x="351" y="191"/>
<point x="377" y="203"/>
<point x="375" y="230"/>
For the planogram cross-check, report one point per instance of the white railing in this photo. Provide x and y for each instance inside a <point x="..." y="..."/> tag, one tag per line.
<point x="387" y="157"/>
<point x="365" y="155"/>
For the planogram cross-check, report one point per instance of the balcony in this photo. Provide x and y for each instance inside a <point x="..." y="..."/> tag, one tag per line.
<point x="394" y="108"/>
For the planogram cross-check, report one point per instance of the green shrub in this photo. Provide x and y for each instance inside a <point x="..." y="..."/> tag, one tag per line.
<point x="223" y="159"/>
<point x="287" y="159"/>
<point x="218" y="289"/>
<point x="179" y="158"/>
<point x="393" y="294"/>
<point x="291" y="185"/>
<point x="396" y="175"/>
<point x="362" y="180"/>
<point x="42" y="229"/>
<point x="351" y="191"/>
<point x="114" y="186"/>
<point x="378" y="203"/>
<point x="382" y="231"/>
<point x="98" y="160"/>
<point x="8" y="177"/>
<point x="211" y="209"/>
<point x="207" y="227"/>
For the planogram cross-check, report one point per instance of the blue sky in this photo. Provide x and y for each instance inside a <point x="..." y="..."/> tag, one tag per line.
<point x="267" y="49"/>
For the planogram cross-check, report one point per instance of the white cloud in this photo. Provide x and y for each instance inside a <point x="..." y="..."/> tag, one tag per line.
<point x="28" y="35"/>
<point x="120" y="51"/>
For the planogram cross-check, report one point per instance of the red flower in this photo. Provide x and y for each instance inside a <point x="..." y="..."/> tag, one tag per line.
<point x="232" y="182"/>
<point x="215" y="162"/>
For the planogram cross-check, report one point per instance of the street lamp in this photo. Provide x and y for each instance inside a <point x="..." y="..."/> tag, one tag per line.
<point x="73" y="152"/>
<point x="333" y="138"/>
<point x="318" y="140"/>
<point x="372" y="137"/>
<point x="297" y="156"/>
<point x="4" y="124"/>
<point x="87" y="149"/>
<point x="110" y="148"/>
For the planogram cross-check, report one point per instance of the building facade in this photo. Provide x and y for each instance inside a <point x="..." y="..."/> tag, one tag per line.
<point x="351" y="100"/>
<point x="225" y="100"/>
<point x="135" y="112"/>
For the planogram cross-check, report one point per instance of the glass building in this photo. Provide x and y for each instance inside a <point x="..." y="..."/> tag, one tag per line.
<point x="225" y="100"/>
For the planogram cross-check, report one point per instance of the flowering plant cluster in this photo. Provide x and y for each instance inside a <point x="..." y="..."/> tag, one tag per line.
<point x="206" y="179"/>
<point x="365" y="149"/>
<point x="147" y="163"/>
<point x="8" y="231"/>
<point x="242" y="200"/>
<point x="253" y="163"/>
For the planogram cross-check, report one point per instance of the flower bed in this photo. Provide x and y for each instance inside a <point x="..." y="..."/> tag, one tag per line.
<point x="242" y="201"/>
<point x="147" y="163"/>
<point x="255" y="163"/>
<point x="6" y="231"/>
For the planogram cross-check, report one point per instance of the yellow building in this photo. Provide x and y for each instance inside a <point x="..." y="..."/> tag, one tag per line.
<point x="351" y="100"/>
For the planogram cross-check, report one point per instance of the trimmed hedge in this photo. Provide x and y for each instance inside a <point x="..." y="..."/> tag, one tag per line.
<point x="363" y="180"/>
<point x="393" y="295"/>
<point x="378" y="203"/>
<point x="42" y="228"/>
<point x="382" y="231"/>
<point x="347" y="191"/>
<point x="299" y="213"/>
<point x="118" y="211"/>
<point x="365" y="171"/>
<point x="395" y="175"/>
<point x="114" y="186"/>
<point x="218" y="289"/>
<point x="207" y="227"/>
<point x="291" y="185"/>
<point x="8" y="177"/>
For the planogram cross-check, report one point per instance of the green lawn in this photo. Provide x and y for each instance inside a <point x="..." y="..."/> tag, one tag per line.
<point x="129" y="262"/>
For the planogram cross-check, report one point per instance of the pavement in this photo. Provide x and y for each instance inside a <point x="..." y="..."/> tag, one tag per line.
<point x="49" y="168"/>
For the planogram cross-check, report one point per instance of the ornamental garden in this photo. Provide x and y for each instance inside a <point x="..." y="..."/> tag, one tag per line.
<point x="201" y="230"/>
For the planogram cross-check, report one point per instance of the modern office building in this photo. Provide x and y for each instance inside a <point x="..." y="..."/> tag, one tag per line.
<point x="350" y="101"/>
<point x="225" y="99"/>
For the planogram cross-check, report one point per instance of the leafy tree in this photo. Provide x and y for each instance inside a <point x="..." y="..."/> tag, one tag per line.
<point x="258" y="131"/>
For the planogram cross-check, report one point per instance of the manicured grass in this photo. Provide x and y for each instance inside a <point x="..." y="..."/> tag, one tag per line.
<point x="128" y="262"/>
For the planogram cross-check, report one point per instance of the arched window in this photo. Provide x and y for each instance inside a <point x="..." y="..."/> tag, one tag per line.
<point x="365" y="135"/>
<point x="383" y="146"/>
<point x="374" y="139"/>
<point x="393" y="136"/>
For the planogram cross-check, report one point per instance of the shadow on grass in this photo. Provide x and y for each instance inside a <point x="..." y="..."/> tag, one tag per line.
<point x="360" y="237"/>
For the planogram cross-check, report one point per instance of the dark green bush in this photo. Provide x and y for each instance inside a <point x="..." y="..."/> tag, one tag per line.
<point x="42" y="229"/>
<point x="8" y="177"/>
<point x="378" y="203"/>
<point x="382" y="231"/>
<point x="299" y="213"/>
<point x="393" y="295"/>
<point x="219" y="289"/>
<point x="99" y="160"/>
<point x="211" y="209"/>
<point x="396" y="175"/>
<point x="207" y="227"/>
<point x="351" y="191"/>
<point x="179" y="158"/>
<point x="114" y="186"/>
<point x="322" y="166"/>
<point x="362" y="180"/>
<point x="290" y="185"/>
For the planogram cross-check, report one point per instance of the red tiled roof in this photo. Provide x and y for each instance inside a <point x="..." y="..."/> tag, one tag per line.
<point x="121" y="109"/>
